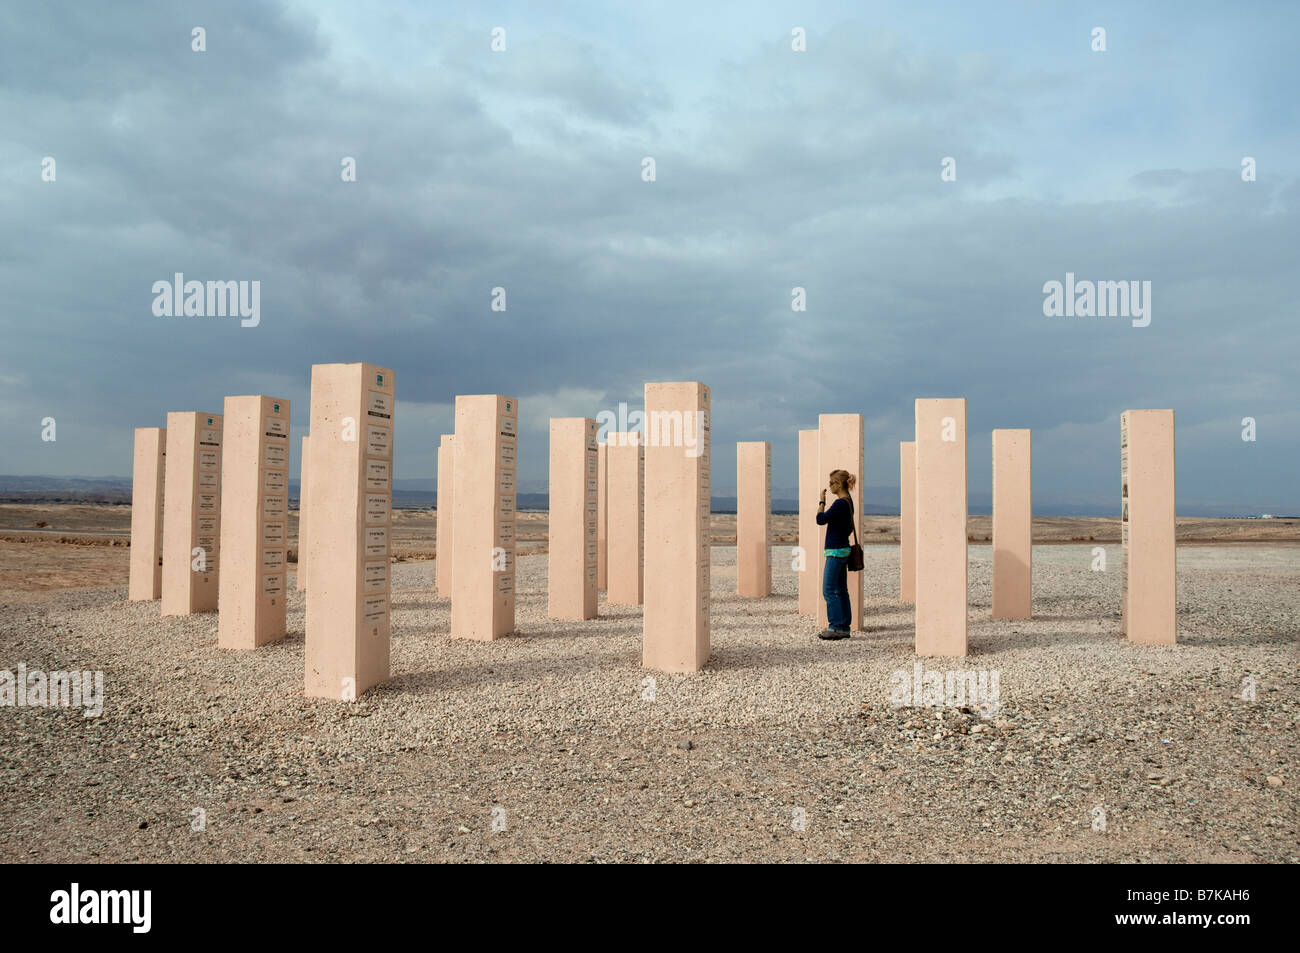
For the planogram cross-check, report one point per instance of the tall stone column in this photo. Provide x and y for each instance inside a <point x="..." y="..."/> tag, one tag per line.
<point x="254" y="522"/>
<point x="677" y="511"/>
<point x="907" y="521"/>
<point x="941" y="566"/>
<point x="1013" y="517"/>
<point x="602" y="517"/>
<point x="810" y="534"/>
<point x="625" y="519"/>
<point x="145" y="580"/>
<point x="571" y="522"/>
<point x="483" y="542"/>
<point x="1149" y="524"/>
<point x="446" y="509"/>
<point x="304" y="495"/>
<point x="191" y="514"/>
<point x="350" y="480"/>
<point x="753" y="518"/>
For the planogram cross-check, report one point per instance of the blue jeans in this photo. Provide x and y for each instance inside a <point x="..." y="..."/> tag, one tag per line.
<point x="835" y="587"/>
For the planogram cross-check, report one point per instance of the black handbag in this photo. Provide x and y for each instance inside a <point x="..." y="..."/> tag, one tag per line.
<point x="855" y="563"/>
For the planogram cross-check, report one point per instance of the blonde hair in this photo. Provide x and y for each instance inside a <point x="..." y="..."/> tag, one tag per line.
<point x="845" y="479"/>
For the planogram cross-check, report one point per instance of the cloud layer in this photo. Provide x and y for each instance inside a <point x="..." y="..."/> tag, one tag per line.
<point x="521" y="169"/>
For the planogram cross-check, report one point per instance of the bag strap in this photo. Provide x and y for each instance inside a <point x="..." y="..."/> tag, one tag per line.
<point x="853" y="527"/>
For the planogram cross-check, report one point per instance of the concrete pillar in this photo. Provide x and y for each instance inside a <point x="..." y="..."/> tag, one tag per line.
<point x="446" y="506"/>
<point x="840" y="447"/>
<point x="907" y="521"/>
<point x="753" y="518"/>
<point x="677" y="486"/>
<point x="625" y="519"/>
<point x="483" y="501"/>
<point x="145" y="579"/>
<point x="191" y="514"/>
<point x="254" y="522"/>
<point x="1147" y="481"/>
<point x="941" y="527"/>
<point x="1013" y="517"/>
<point x="810" y="534"/>
<point x="352" y="432"/>
<point x="602" y="517"/>
<point x="303" y="496"/>
<point x="571" y="520"/>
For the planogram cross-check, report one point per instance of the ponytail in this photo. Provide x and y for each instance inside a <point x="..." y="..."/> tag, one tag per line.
<point x="845" y="478"/>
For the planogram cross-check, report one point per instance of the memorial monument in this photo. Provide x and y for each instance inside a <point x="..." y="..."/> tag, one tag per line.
<point x="941" y="567"/>
<point x="677" y="511"/>
<point x="483" y="500"/>
<point x="907" y="521"/>
<point x="1148" y="527"/>
<point x="625" y="519"/>
<point x="571" y="535"/>
<point x="304" y="494"/>
<point x="191" y="514"/>
<point x="350" y="480"/>
<point x="602" y="515"/>
<point x="1013" y="517"/>
<point x="810" y="534"/>
<point x="446" y="505"/>
<point x="254" y="522"/>
<point x="144" y="582"/>
<point x="753" y="518"/>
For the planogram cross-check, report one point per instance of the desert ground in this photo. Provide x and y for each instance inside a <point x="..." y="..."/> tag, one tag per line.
<point x="556" y="745"/>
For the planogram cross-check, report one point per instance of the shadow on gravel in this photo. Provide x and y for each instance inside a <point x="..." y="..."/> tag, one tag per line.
<point x="814" y="652"/>
<point x="1044" y="617"/>
<point x="988" y="642"/>
<point x="423" y="604"/>
<point x="523" y="671"/>
<point x="1237" y="638"/>
<point x="99" y="599"/>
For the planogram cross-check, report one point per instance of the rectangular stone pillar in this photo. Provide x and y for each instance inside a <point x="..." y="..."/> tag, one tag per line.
<point x="352" y="433"/>
<point x="571" y="520"/>
<point x="625" y="519"/>
<point x="907" y="521"/>
<point x="483" y="500"/>
<point x="941" y="527"/>
<point x="677" y="509"/>
<point x="602" y="517"/>
<point x="254" y="522"/>
<point x="840" y="447"/>
<point x="303" y="496"/>
<point x="1148" y="527"/>
<point x="1013" y="517"/>
<point x="753" y="518"/>
<point x="191" y="514"/>
<point x="145" y="579"/>
<point x="446" y="497"/>
<point x="810" y="534"/>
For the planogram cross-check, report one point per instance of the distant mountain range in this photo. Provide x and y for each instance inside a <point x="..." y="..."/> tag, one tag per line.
<point x="420" y="494"/>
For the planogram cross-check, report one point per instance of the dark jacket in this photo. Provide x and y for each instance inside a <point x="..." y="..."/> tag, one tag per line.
<point x="838" y="520"/>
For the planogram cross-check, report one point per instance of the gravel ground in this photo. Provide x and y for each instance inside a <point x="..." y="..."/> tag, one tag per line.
<point x="548" y="734"/>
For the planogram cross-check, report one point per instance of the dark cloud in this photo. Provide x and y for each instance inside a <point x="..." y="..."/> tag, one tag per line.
<point x="523" y="170"/>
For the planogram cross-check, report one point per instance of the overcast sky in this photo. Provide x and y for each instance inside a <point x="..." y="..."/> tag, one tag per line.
<point x="522" y="169"/>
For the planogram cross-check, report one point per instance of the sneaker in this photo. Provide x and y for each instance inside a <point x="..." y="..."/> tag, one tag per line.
<point x="832" y="634"/>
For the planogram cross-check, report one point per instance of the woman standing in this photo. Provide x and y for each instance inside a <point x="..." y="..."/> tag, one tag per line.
<point x="838" y="521"/>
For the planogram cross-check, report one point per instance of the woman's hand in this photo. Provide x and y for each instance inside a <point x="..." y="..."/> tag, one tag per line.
<point x="823" y="499"/>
